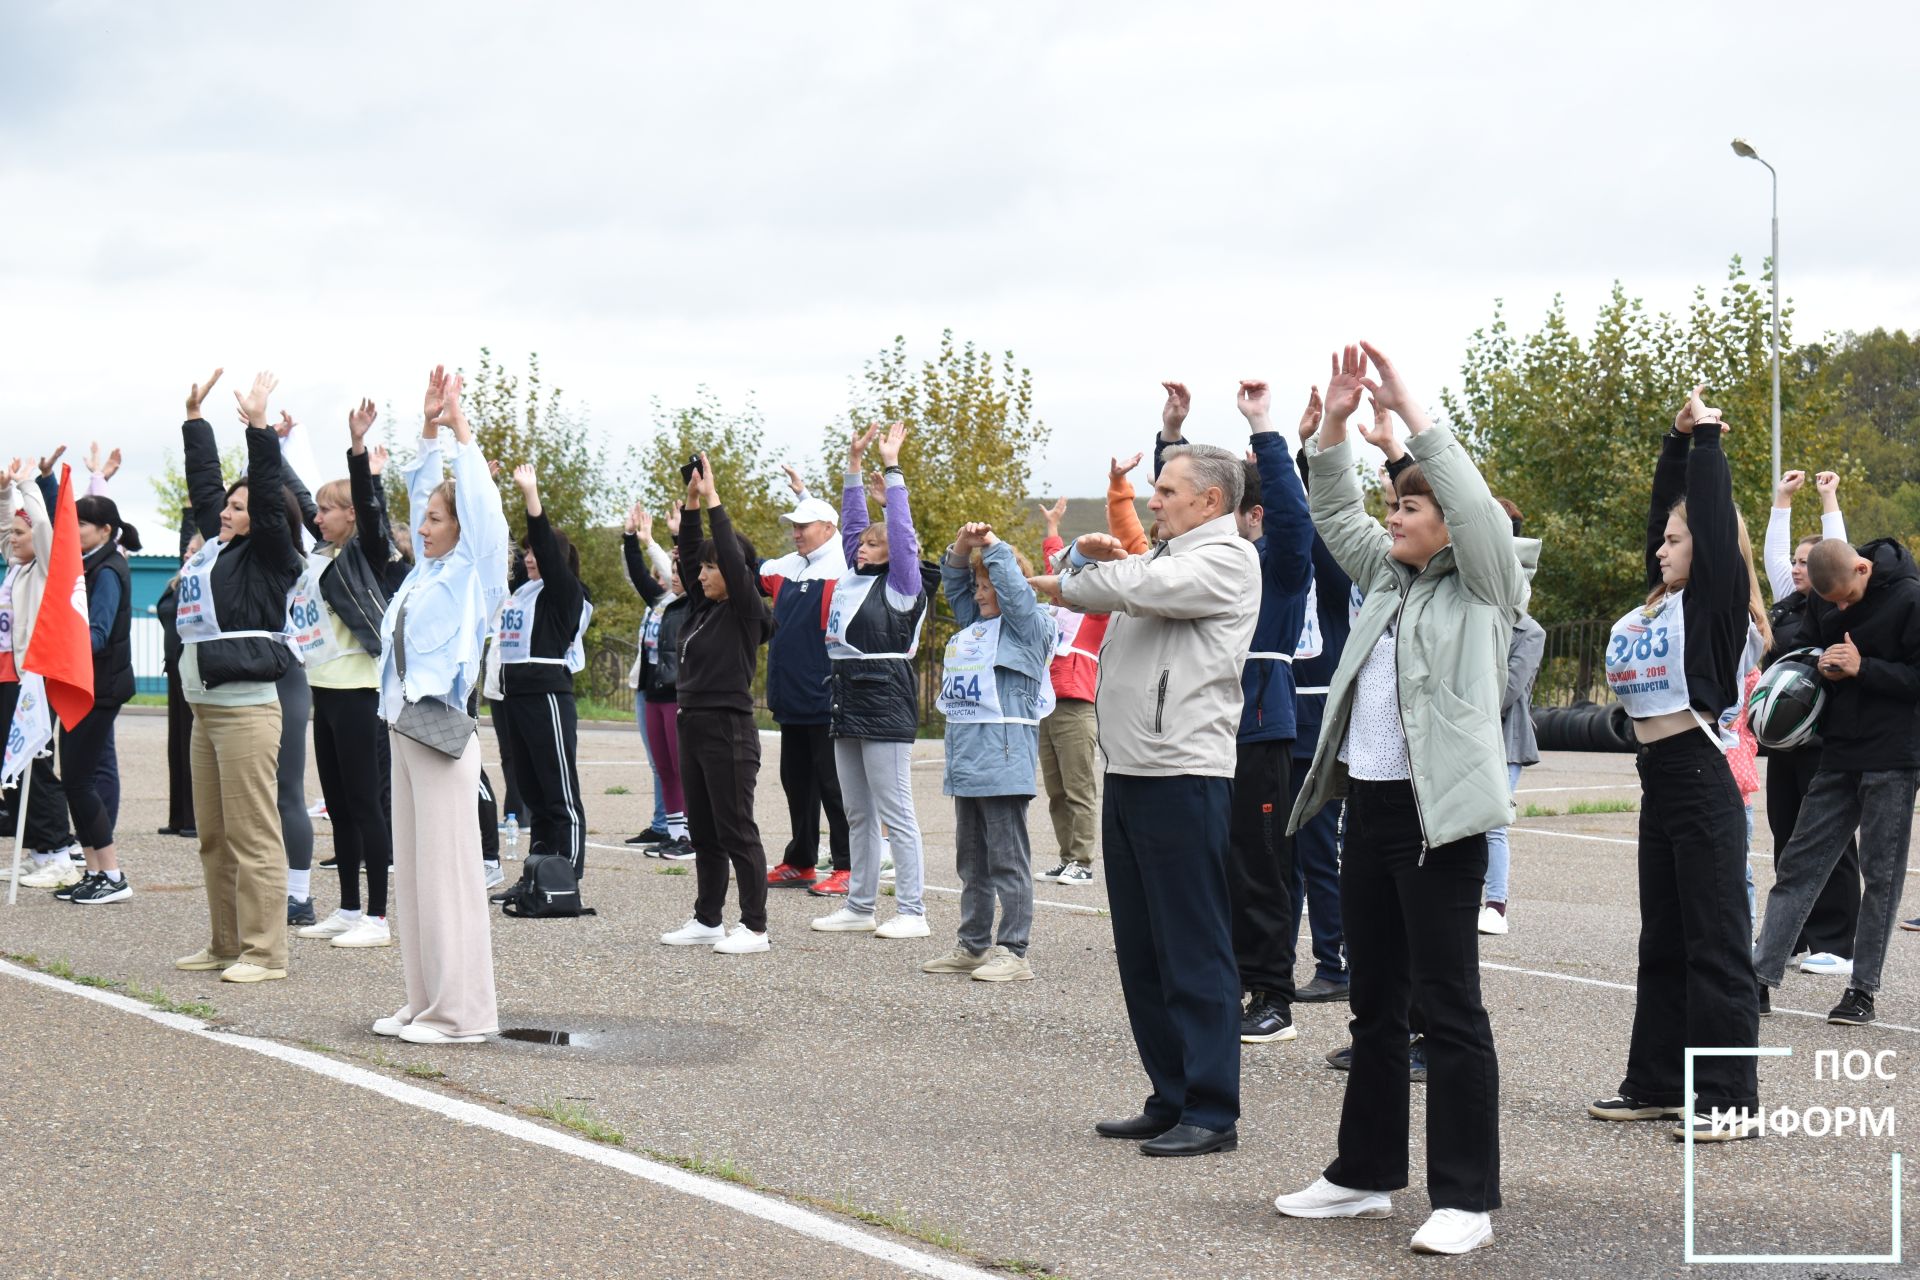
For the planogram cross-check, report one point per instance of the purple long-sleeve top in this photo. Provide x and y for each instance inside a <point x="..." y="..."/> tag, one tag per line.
<point x="903" y="547"/>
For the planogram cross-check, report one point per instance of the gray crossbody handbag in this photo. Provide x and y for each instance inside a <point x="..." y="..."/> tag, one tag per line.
<point x="431" y="722"/>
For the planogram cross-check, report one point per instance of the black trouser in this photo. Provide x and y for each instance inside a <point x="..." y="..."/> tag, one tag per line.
<point x="106" y="775"/>
<point x="719" y="767"/>
<point x="540" y="731"/>
<point x="1836" y="912"/>
<point x="1165" y="842"/>
<point x="808" y="777"/>
<point x="179" y="746"/>
<point x="501" y="739"/>
<point x="1696" y="985"/>
<point x="1260" y="875"/>
<point x="347" y="734"/>
<point x="1412" y="938"/>
<point x="489" y="821"/>
<point x="46" y="829"/>
<point x="81" y="749"/>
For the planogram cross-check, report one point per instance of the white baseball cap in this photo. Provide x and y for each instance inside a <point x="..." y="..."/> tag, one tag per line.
<point x="810" y="510"/>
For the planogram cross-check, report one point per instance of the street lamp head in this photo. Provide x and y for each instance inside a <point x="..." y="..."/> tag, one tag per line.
<point x="1744" y="149"/>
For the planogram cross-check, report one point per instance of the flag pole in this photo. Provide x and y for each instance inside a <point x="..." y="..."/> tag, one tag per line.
<point x="20" y="832"/>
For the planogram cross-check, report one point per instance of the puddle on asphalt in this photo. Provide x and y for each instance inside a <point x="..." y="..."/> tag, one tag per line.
<point x="541" y="1035"/>
<point x="642" y="1041"/>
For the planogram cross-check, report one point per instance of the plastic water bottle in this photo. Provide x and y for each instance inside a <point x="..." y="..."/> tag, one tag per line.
<point x="513" y="835"/>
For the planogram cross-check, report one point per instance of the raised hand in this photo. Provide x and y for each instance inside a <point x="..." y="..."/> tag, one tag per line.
<point x="1174" y="411"/>
<point x="1391" y="392"/>
<point x="254" y="402"/>
<point x="113" y="465"/>
<point x="47" y="461"/>
<point x="1100" y="546"/>
<point x="1827" y="485"/>
<point x="704" y="485"/>
<point x="1381" y="434"/>
<point x="857" y="446"/>
<point x="1254" y="400"/>
<point x="794" y="482"/>
<point x="18" y="472"/>
<point x="94" y="460"/>
<point x="1345" y="385"/>
<point x="435" y="398"/>
<point x="1053" y="515"/>
<point x="1117" y="468"/>
<point x="493" y="468"/>
<point x="971" y="535"/>
<point x="645" y="524"/>
<point x="1310" y="416"/>
<point x="450" y="414"/>
<point x="359" y="422"/>
<point x="1694" y="412"/>
<point x="877" y="489"/>
<point x="197" y="393"/>
<point x="890" y="444"/>
<point x="673" y="522"/>
<point x="526" y="479"/>
<point x="376" y="460"/>
<point x="1790" y="482"/>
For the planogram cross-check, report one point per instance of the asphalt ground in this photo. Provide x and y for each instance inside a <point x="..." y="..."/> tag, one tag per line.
<point x="872" y="1108"/>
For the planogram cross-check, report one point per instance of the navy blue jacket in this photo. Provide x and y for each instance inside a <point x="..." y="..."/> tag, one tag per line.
<point x="1268" y="713"/>
<point x="1334" y="590"/>
<point x="799" y="673"/>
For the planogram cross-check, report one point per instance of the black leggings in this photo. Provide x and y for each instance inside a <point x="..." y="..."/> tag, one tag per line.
<point x="347" y="734"/>
<point x="46" y="828"/>
<point x="81" y="750"/>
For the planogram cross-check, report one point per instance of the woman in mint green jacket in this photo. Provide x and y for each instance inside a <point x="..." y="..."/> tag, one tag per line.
<point x="1412" y="740"/>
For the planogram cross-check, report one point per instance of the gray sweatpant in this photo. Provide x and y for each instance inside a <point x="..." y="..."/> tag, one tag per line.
<point x="876" y="786"/>
<point x="995" y="860"/>
<point x="1880" y="804"/>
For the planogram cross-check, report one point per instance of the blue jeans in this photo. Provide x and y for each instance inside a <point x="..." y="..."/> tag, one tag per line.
<point x="659" y="795"/>
<point x="1498" y="855"/>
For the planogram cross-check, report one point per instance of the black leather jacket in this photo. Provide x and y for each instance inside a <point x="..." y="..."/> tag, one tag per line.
<point x="354" y="587"/>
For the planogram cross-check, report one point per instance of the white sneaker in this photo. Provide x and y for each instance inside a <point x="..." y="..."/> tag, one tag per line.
<point x="1328" y="1200"/>
<point x="57" y="874"/>
<point x="389" y="1027"/>
<point x="1453" y="1231"/>
<point x="845" y="920"/>
<point x="1074" y="874"/>
<point x="372" y="931"/>
<point x="887" y="871"/>
<point x="318" y="809"/>
<point x="903" y="927"/>
<point x="742" y="941"/>
<point x="496" y="874"/>
<point x="1731" y="1128"/>
<point x="332" y="927"/>
<point x="414" y="1033"/>
<point x="1819" y="962"/>
<point x="694" y="934"/>
<point x="1494" y="922"/>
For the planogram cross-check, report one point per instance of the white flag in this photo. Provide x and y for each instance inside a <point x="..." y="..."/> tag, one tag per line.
<point x="31" y="731"/>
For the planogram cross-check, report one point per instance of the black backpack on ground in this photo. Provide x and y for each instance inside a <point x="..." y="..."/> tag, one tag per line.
<point x="546" y="890"/>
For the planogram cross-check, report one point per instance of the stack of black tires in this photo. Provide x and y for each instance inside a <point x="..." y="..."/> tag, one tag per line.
<point x="1585" y="726"/>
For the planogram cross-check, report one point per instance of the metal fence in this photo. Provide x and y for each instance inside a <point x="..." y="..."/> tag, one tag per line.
<point x="605" y="678"/>
<point x="1573" y="669"/>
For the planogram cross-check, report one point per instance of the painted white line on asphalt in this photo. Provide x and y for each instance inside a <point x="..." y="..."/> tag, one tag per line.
<point x="1621" y="986"/>
<point x="725" y="1194"/>
<point x="1615" y="786"/>
<point x="1572" y="835"/>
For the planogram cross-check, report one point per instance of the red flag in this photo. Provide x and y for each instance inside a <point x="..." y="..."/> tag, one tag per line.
<point x="61" y="649"/>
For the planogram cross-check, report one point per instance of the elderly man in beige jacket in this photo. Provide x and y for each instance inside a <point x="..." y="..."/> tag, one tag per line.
<point x="1168" y="705"/>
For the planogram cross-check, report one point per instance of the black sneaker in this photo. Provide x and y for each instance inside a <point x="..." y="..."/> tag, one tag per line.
<point x="328" y="863"/>
<point x="1621" y="1107"/>
<point x="1341" y="1059"/>
<point x="1417" y="1060"/>
<point x="1854" y="1010"/>
<point x="299" y="911"/>
<point x="66" y="894"/>
<point x="97" y="888"/>
<point x="1320" y="991"/>
<point x="1766" y="1001"/>
<point x="1912" y="925"/>
<point x="1053" y="875"/>
<point x="652" y="835"/>
<point x="680" y="850"/>
<point x="1264" y="1021"/>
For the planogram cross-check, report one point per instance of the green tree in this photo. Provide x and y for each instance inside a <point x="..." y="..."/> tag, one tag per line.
<point x="971" y="440"/>
<point x="1871" y="432"/>
<point x="1570" y="428"/>
<point x="752" y="487"/>
<point x="170" y="486"/>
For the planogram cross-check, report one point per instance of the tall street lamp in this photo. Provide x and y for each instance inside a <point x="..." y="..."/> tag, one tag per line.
<point x="1744" y="149"/>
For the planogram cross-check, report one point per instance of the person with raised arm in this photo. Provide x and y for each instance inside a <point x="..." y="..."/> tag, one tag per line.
<point x="1069" y="736"/>
<point x="430" y="643"/>
<point x="49" y="841"/>
<point x="1411" y="738"/>
<point x="1170" y="702"/>
<point x="873" y="638"/>
<point x="1827" y="939"/>
<point x="296" y="695"/>
<point x="719" y="742"/>
<point x="1674" y="663"/>
<point x="345" y="601"/>
<point x="232" y="618"/>
<point x="541" y="638"/>
<point x="656" y="666"/>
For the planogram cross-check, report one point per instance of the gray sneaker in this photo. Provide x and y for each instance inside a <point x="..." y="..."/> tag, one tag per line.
<point x="1004" y="966"/>
<point x="496" y="874"/>
<point x="958" y="960"/>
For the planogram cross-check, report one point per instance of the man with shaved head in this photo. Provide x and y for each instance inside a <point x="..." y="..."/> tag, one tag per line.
<point x="1865" y="611"/>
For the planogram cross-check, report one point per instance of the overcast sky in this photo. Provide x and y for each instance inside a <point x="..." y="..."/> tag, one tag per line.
<point x="758" y="196"/>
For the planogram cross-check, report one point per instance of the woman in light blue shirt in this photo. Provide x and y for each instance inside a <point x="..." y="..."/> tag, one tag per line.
<point x="430" y="642"/>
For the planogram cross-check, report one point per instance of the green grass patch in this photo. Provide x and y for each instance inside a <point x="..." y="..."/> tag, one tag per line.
<point x="903" y="1222"/>
<point x="149" y="699"/>
<point x="316" y="1047"/>
<point x="617" y="790"/>
<point x="1539" y="811"/>
<point x="1028" y="1267"/>
<point x="670" y="871"/>
<point x="424" y="1071"/>
<point x="1602" y="806"/>
<point x="706" y="1166"/>
<point x="157" y="998"/>
<point x="577" y="1117"/>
